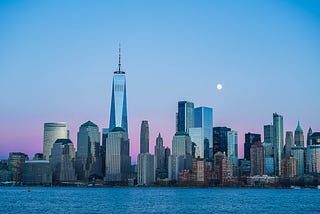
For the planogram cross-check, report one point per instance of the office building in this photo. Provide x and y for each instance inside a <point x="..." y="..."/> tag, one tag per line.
<point x="201" y="134"/>
<point x="146" y="171"/>
<point x="88" y="159"/>
<point x="289" y="167"/>
<point x="289" y="144"/>
<point x="185" y="116"/>
<point x="53" y="132"/>
<point x="159" y="153"/>
<point x="268" y="140"/>
<point x="118" y="113"/>
<point x="277" y="142"/>
<point x="298" y="152"/>
<point x="250" y="139"/>
<point x="144" y="137"/>
<point x="220" y="139"/>
<point x="233" y="147"/>
<point x="62" y="161"/>
<point x="257" y="158"/>
<point x="15" y="165"/>
<point x="298" y="136"/>
<point x="118" y="161"/>
<point x="313" y="158"/>
<point x="37" y="172"/>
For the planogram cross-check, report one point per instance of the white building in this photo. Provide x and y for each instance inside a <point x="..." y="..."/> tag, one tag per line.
<point x="146" y="169"/>
<point x="53" y="132"/>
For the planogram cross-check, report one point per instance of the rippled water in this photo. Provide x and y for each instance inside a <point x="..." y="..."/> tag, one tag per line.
<point x="157" y="200"/>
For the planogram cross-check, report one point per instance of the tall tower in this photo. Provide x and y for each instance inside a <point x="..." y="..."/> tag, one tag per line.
<point x="185" y="116"/>
<point x="144" y="137"/>
<point x="298" y="136"/>
<point x="53" y="132"/>
<point x="118" y="113"/>
<point x="277" y="142"/>
<point x="289" y="144"/>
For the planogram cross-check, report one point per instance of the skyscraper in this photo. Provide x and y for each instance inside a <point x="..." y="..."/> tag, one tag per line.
<point x="159" y="153"/>
<point x="118" y="160"/>
<point x="146" y="174"/>
<point x="268" y="140"/>
<point x="52" y="132"/>
<point x="299" y="153"/>
<point x="220" y="139"/>
<point x="257" y="158"/>
<point x="118" y="113"/>
<point x="201" y="133"/>
<point x="144" y="137"/>
<point x="289" y="144"/>
<point x="250" y="139"/>
<point x="277" y="142"/>
<point x="298" y="136"/>
<point x="233" y="147"/>
<point x="62" y="161"/>
<point x="88" y="160"/>
<point x="185" y="116"/>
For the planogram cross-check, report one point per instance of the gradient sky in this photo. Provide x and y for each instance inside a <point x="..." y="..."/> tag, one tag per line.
<point x="57" y="60"/>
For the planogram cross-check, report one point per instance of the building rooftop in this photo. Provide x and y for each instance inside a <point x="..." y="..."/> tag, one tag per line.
<point x="63" y="141"/>
<point x="89" y="123"/>
<point x="118" y="129"/>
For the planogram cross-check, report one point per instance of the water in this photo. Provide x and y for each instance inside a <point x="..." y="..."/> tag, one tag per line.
<point x="157" y="200"/>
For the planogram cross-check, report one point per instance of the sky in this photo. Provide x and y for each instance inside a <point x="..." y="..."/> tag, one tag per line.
<point x="57" y="60"/>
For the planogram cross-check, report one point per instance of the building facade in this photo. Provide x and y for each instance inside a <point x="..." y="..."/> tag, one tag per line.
<point x="220" y="139"/>
<point x="37" y="172"/>
<point x="53" y="132"/>
<point x="88" y="159"/>
<point x="277" y="142"/>
<point x="257" y="158"/>
<point x="250" y="139"/>
<point x="62" y="161"/>
<point x="146" y="170"/>
<point x="16" y="162"/>
<point x="185" y="116"/>
<point x="118" y="161"/>
<point x="298" y="136"/>
<point x="233" y="147"/>
<point x="144" y="137"/>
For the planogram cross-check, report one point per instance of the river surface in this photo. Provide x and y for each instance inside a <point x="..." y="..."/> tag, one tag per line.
<point x="157" y="200"/>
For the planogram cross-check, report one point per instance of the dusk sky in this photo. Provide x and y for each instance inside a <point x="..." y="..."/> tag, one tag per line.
<point x="57" y="60"/>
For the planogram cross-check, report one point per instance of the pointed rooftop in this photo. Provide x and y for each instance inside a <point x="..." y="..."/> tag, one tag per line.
<point x="89" y="123"/>
<point x="299" y="129"/>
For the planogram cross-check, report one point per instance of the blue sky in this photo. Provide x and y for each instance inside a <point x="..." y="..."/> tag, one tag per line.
<point x="57" y="60"/>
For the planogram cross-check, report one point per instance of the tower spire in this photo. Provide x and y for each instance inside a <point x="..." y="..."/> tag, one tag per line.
<point x="119" y="58"/>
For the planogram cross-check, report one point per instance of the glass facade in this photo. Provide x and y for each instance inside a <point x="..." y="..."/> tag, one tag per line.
<point x="185" y="116"/>
<point x="202" y="134"/>
<point x="233" y="147"/>
<point x="118" y="114"/>
<point x="278" y="142"/>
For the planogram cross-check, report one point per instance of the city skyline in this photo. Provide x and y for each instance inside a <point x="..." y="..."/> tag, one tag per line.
<point x="72" y="83"/>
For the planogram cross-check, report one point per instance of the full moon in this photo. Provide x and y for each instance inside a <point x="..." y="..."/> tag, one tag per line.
<point x="219" y="86"/>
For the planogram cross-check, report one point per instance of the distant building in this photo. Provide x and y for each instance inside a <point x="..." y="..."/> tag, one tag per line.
<point x="298" y="152"/>
<point x="309" y="141"/>
<point x="185" y="116"/>
<point x="289" y="167"/>
<point x="244" y="168"/>
<point x="220" y="139"/>
<point x="250" y="139"/>
<point x="159" y="153"/>
<point x="289" y="144"/>
<point x="313" y="157"/>
<point x="144" y="137"/>
<point x="277" y="142"/>
<point x="118" y="161"/>
<point x="88" y="159"/>
<point x="181" y="157"/>
<point x="223" y="168"/>
<point x="257" y="158"/>
<point x="268" y="141"/>
<point x="105" y="132"/>
<point x="37" y="172"/>
<point x="38" y="156"/>
<point x="15" y="165"/>
<point x="269" y="165"/>
<point x="5" y="174"/>
<point x="62" y="161"/>
<point x="298" y="136"/>
<point x="201" y="133"/>
<point x="233" y="147"/>
<point x="167" y="153"/>
<point x="146" y="171"/>
<point x="53" y="132"/>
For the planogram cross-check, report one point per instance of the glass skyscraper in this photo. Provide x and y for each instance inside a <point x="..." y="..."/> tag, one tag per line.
<point x="118" y="113"/>
<point x="202" y="134"/>
<point x="233" y="147"/>
<point x="185" y="116"/>
<point x="277" y="142"/>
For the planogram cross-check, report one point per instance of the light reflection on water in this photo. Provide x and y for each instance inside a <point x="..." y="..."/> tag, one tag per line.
<point x="157" y="200"/>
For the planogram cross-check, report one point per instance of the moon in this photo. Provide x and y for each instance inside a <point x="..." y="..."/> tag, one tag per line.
<point x="219" y="87"/>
